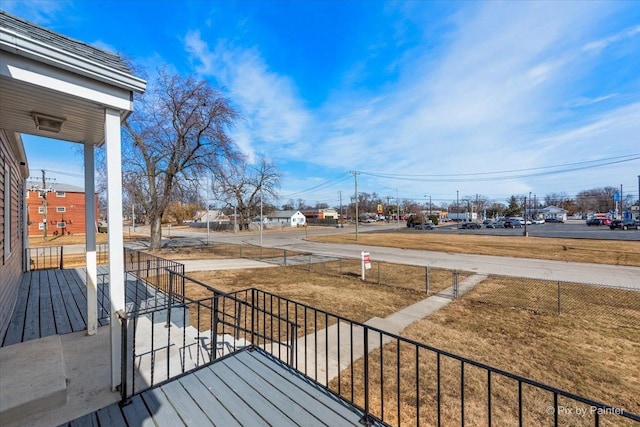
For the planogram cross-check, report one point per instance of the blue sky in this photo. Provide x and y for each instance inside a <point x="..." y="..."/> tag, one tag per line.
<point x="423" y="98"/>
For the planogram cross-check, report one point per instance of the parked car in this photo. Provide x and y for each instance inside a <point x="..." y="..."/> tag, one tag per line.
<point x="512" y="223"/>
<point x="425" y="226"/>
<point x="469" y="225"/>
<point x="487" y="221"/>
<point x="538" y="221"/>
<point x="499" y="224"/>
<point x="594" y="221"/>
<point x="624" y="224"/>
<point x="490" y="224"/>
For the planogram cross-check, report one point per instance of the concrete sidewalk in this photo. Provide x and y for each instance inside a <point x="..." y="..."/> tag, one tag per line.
<point x="320" y="357"/>
<point x="223" y="264"/>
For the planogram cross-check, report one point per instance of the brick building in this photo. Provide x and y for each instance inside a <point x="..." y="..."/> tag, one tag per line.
<point x="65" y="209"/>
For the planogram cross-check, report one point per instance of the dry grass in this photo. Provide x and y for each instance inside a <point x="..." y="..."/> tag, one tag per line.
<point x="344" y="296"/>
<point x="222" y="250"/>
<point x="79" y="239"/>
<point x="595" y="356"/>
<point x="573" y="250"/>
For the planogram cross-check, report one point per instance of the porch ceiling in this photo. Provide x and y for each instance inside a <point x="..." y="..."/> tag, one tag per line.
<point x="84" y="120"/>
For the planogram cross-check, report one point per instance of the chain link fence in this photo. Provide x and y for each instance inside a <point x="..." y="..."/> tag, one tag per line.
<point x="560" y="298"/>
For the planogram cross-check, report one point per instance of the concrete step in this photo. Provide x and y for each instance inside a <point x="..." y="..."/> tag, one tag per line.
<point x="33" y="378"/>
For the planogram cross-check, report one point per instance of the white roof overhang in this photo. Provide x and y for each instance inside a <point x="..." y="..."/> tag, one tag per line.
<point x="36" y="78"/>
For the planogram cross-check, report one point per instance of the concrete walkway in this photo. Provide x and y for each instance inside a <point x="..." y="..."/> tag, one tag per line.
<point x="321" y="357"/>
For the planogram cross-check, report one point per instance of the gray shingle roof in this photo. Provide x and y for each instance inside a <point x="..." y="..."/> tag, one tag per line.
<point x="64" y="43"/>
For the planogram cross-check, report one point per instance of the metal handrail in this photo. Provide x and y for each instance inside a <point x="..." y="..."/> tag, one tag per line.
<point x="262" y="314"/>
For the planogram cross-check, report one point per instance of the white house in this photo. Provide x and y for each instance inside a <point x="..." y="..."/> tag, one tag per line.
<point x="212" y="215"/>
<point x="554" y="213"/>
<point x="292" y="218"/>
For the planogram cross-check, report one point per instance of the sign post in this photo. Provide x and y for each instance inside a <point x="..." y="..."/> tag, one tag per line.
<point x="366" y="263"/>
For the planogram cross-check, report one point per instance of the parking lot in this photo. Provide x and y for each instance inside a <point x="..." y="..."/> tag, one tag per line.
<point x="572" y="229"/>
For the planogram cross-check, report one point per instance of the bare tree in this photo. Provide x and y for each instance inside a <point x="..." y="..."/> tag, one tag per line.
<point x="178" y="131"/>
<point x="242" y="186"/>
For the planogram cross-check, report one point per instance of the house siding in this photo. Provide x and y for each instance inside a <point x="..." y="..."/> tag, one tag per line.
<point x="11" y="208"/>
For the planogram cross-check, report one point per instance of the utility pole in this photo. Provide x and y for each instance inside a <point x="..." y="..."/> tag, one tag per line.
<point x="457" y="208"/>
<point x="398" y="208"/>
<point x="44" y="203"/>
<point x="341" y="217"/>
<point x="355" y="177"/>
<point x="43" y="193"/>
<point x="621" y="204"/>
<point x="261" y="220"/>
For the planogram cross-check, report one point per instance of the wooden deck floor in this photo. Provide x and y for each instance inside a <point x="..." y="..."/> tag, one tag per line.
<point x="249" y="388"/>
<point x="54" y="302"/>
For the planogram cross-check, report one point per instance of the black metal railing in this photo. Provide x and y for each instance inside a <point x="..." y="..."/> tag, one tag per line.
<point x="399" y="381"/>
<point x="155" y="271"/>
<point x="170" y="340"/>
<point x="43" y="258"/>
<point x="53" y="257"/>
<point x="391" y="379"/>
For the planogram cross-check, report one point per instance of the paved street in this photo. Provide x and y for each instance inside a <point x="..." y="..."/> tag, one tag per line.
<point x="521" y="267"/>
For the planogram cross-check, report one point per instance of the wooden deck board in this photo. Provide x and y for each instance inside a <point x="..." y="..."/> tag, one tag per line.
<point x="53" y="302"/>
<point x="181" y="400"/>
<point x="307" y="395"/>
<point x="228" y="399"/>
<point x="13" y="335"/>
<point x="63" y="325"/>
<point x="160" y="408"/>
<point x="273" y="402"/>
<point x="136" y="413"/>
<point x="32" y="310"/>
<point x="76" y="318"/>
<point x="203" y="397"/>
<point x="111" y="416"/>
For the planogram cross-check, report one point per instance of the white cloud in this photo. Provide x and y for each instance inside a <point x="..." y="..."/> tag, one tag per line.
<point x="601" y="44"/>
<point x="273" y="112"/>
<point x="483" y="99"/>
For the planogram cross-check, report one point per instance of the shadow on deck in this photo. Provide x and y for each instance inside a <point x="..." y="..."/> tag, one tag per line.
<point x="247" y="388"/>
<point x="54" y="302"/>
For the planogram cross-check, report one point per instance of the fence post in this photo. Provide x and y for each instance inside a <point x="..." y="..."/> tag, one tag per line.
<point x="214" y="329"/>
<point x="253" y="309"/>
<point x="378" y="272"/>
<point x="61" y="257"/>
<point x="292" y="344"/>
<point x="366" y="420"/>
<point x="456" y="290"/>
<point x="240" y="250"/>
<point x="559" y="298"/>
<point x="340" y="267"/>
<point x="169" y="304"/>
<point x="309" y="263"/>
<point x="426" y="279"/>
<point x="285" y="257"/>
<point x="124" y="399"/>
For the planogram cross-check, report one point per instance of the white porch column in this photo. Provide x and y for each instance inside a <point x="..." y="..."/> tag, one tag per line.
<point x="90" y="230"/>
<point x="116" y="248"/>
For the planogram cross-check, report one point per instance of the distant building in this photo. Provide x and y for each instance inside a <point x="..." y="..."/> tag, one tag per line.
<point x="320" y="213"/>
<point x="60" y="206"/>
<point x="291" y="218"/>
<point x="212" y="215"/>
<point x="554" y="213"/>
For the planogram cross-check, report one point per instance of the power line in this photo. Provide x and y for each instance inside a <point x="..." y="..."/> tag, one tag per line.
<point x="474" y="177"/>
